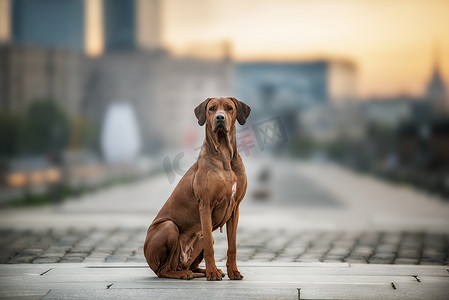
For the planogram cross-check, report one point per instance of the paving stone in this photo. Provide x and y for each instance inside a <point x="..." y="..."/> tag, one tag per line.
<point x="31" y="251"/>
<point x="362" y="250"/>
<point x="369" y="240"/>
<point x="391" y="237"/>
<point x="263" y="256"/>
<point x="352" y="260"/>
<point x="432" y="261"/>
<point x="57" y="248"/>
<point x="406" y="261"/>
<point x="409" y="253"/>
<point x="94" y="260"/>
<point x="339" y="251"/>
<point x="99" y="245"/>
<point x="380" y="260"/>
<point x="46" y="260"/>
<point x="433" y="253"/>
<point x="331" y="260"/>
<point x="309" y="256"/>
<point x="104" y="249"/>
<point x="136" y="259"/>
<point x="21" y="259"/>
<point x="81" y="249"/>
<point x="286" y="258"/>
<point x="359" y="257"/>
<point x="317" y="251"/>
<point x="294" y="251"/>
<point x="386" y="248"/>
<point x="116" y="259"/>
<point x="71" y="260"/>
<point x="308" y="260"/>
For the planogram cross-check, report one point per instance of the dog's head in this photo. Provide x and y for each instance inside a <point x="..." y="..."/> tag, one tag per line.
<point x="220" y="114"/>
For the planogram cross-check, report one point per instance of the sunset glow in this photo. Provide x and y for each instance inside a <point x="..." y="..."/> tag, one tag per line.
<point x="94" y="37"/>
<point x="392" y="42"/>
<point x="5" y="20"/>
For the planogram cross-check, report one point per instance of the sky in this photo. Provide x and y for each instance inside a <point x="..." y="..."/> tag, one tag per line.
<point x="393" y="42"/>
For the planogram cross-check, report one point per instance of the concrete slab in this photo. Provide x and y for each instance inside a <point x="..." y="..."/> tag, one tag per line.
<point x="24" y="294"/>
<point x="22" y="269"/>
<point x="374" y="291"/>
<point x="264" y="293"/>
<point x="314" y="281"/>
<point x="64" y="284"/>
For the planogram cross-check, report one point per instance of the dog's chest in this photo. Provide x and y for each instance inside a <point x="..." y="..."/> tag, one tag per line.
<point x="233" y="189"/>
<point x="225" y="206"/>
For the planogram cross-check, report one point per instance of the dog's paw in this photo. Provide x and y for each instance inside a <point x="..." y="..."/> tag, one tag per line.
<point x="214" y="274"/>
<point x="199" y="270"/>
<point x="234" y="274"/>
<point x="221" y="273"/>
<point x="188" y="275"/>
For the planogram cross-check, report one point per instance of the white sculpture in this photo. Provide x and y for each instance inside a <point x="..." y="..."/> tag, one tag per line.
<point x="120" y="136"/>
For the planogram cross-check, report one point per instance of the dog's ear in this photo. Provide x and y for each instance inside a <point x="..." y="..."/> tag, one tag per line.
<point x="243" y="111"/>
<point x="200" y="112"/>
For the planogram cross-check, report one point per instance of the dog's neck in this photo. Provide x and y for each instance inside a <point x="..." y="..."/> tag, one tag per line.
<point x="220" y="146"/>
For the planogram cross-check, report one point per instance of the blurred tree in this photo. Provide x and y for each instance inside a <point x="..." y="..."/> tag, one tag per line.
<point x="11" y="134"/>
<point x="47" y="128"/>
<point x="382" y="138"/>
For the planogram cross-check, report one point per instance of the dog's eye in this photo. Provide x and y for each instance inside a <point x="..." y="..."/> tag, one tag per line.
<point x="229" y="107"/>
<point x="211" y="108"/>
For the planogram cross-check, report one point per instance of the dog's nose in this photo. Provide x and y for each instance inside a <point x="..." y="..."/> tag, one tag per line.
<point x="220" y="117"/>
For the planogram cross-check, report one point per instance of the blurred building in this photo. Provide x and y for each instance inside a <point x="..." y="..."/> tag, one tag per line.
<point x="300" y="93"/>
<point x="43" y="58"/>
<point x="393" y="111"/>
<point x="298" y="84"/>
<point x="136" y="68"/>
<point x="186" y="83"/>
<point x="436" y="88"/>
<point x="436" y="92"/>
<point x="161" y="88"/>
<point x="29" y="73"/>
<point x="49" y="23"/>
<point x="149" y="24"/>
<point x="119" y="25"/>
<point x="132" y="24"/>
<point x="424" y="146"/>
<point x="330" y="122"/>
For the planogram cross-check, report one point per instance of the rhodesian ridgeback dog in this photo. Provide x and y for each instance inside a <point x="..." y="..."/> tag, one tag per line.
<point x="206" y="198"/>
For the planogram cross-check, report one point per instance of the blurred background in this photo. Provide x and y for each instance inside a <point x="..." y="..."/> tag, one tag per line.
<point x="95" y="93"/>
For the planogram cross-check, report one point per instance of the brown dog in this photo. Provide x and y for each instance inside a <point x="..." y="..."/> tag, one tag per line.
<point x="206" y="198"/>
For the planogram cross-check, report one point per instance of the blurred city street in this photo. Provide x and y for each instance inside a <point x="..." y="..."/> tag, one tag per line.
<point x="314" y="245"/>
<point x="328" y="214"/>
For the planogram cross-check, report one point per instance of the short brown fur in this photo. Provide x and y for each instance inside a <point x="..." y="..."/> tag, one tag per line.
<point x="206" y="198"/>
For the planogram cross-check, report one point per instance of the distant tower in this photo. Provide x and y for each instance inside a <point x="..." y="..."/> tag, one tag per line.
<point x="120" y="27"/>
<point x="148" y="24"/>
<point x="48" y="23"/>
<point x="132" y="24"/>
<point x="436" y="90"/>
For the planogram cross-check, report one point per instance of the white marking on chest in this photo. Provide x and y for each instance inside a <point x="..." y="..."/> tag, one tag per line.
<point x="234" y="188"/>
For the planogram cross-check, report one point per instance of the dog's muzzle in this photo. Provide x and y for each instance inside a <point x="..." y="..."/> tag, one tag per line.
<point x="220" y="122"/>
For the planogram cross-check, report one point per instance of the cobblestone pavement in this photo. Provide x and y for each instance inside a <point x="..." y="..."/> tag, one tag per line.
<point x="125" y="245"/>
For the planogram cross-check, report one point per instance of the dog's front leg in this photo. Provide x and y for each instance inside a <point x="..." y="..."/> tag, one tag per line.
<point x="212" y="273"/>
<point x="231" y="231"/>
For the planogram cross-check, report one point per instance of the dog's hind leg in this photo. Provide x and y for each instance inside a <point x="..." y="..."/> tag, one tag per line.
<point x="197" y="271"/>
<point x="194" y="267"/>
<point x="197" y="258"/>
<point x="162" y="251"/>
